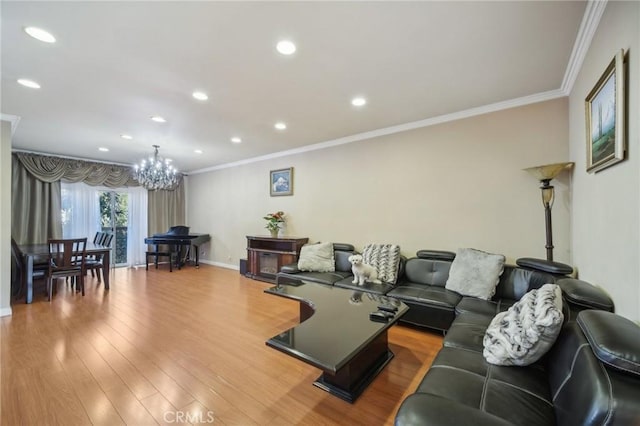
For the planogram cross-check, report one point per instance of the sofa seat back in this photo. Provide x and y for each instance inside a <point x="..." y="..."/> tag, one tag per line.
<point x="341" y="253"/>
<point x="518" y="395"/>
<point x="427" y="271"/>
<point x="594" y="371"/>
<point x="515" y="282"/>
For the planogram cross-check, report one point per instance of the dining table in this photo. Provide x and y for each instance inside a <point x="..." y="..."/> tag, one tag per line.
<point x="34" y="253"/>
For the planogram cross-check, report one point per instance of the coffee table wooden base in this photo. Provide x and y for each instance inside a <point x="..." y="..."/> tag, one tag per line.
<point x="354" y="377"/>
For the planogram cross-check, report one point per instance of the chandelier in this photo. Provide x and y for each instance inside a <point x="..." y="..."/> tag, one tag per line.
<point x="156" y="172"/>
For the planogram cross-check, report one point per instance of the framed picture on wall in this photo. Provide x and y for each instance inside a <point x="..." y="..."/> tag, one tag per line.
<point x="281" y="182"/>
<point x="605" y="112"/>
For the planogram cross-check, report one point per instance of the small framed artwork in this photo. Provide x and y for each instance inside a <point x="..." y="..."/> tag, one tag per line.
<point x="605" y="112"/>
<point x="281" y="182"/>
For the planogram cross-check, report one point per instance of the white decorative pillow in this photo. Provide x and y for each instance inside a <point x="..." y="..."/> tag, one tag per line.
<point x="524" y="333"/>
<point x="317" y="258"/>
<point x="475" y="273"/>
<point x="385" y="258"/>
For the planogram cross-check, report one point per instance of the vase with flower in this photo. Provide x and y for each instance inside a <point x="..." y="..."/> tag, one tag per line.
<point x="274" y="221"/>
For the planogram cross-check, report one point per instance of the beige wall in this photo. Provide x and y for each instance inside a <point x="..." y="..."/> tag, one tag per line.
<point x="458" y="184"/>
<point x="5" y="218"/>
<point x="606" y="205"/>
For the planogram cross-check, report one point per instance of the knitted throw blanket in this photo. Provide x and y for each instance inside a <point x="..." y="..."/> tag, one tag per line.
<point x="524" y="333"/>
<point x="385" y="258"/>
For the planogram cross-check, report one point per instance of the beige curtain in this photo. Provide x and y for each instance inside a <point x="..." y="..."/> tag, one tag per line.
<point x="35" y="207"/>
<point x="52" y="169"/>
<point x="166" y="209"/>
<point x="36" y="194"/>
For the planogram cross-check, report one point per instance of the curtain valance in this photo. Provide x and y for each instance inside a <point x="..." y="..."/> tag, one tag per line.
<point x="52" y="169"/>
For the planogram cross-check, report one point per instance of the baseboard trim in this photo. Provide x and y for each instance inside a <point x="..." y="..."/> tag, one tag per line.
<point x="6" y="312"/>
<point x="220" y="264"/>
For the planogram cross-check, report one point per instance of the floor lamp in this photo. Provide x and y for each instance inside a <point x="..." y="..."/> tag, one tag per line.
<point x="544" y="174"/>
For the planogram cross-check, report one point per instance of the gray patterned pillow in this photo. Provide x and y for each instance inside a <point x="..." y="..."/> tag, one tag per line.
<point x="385" y="258"/>
<point x="524" y="333"/>
<point x="475" y="273"/>
<point x="317" y="258"/>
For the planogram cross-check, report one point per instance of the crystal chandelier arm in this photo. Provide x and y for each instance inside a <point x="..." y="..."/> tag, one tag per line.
<point x="159" y="174"/>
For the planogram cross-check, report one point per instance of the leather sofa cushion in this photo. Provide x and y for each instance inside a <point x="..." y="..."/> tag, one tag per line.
<point x="290" y="269"/>
<point x="426" y="295"/>
<point x="549" y="266"/>
<point x="584" y="294"/>
<point x="427" y="271"/>
<point x="518" y="395"/>
<point x="342" y="260"/>
<point x="366" y="287"/>
<point x="343" y="247"/>
<point x="485" y="307"/>
<point x="585" y="391"/>
<point x="436" y="254"/>
<point x="419" y="407"/>
<point x="614" y="340"/>
<point x="467" y="332"/>
<point x="516" y="282"/>
<point x="328" y="278"/>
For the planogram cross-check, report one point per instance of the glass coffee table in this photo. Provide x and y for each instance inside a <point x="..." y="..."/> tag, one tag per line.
<point x="336" y="335"/>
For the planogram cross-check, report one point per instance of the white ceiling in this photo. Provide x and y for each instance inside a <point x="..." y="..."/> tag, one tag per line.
<point x="115" y="64"/>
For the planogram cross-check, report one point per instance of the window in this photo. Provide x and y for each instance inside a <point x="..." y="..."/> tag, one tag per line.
<point x="123" y="211"/>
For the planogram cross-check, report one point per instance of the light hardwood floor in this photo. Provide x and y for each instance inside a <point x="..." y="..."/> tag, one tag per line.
<point x="176" y="348"/>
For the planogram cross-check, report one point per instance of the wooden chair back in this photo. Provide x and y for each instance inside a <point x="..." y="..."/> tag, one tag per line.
<point x="67" y="258"/>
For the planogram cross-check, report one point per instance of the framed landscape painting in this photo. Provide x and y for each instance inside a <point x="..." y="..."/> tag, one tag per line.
<point x="605" y="114"/>
<point x="281" y="182"/>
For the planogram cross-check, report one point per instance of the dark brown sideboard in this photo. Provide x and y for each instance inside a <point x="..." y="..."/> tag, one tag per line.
<point x="266" y="255"/>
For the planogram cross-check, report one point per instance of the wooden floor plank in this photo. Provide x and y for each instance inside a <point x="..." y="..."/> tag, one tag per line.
<point x="176" y="347"/>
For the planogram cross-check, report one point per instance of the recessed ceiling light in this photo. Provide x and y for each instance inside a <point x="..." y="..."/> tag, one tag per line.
<point x="280" y="126"/>
<point x="158" y="119"/>
<point x="127" y="137"/>
<point x="286" y="47"/>
<point x="40" y="34"/>
<point x="103" y="149"/>
<point x="198" y="151"/>
<point x="201" y="96"/>
<point x="236" y="140"/>
<point x="359" y="101"/>
<point x="28" y="83"/>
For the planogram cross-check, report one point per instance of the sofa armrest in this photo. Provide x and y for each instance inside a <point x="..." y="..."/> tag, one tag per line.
<point x="549" y="266"/>
<point x="422" y="409"/>
<point x="583" y="295"/>
<point x="291" y="268"/>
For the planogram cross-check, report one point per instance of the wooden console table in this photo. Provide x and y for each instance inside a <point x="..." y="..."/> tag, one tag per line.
<point x="266" y="255"/>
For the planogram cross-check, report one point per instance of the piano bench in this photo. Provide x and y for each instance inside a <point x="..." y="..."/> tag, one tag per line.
<point x="156" y="255"/>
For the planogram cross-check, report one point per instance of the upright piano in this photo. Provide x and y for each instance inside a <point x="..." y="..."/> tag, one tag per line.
<point x="179" y="240"/>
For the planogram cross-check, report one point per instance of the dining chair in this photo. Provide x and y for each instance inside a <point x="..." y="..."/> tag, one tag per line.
<point x="67" y="258"/>
<point x="103" y="238"/>
<point x="95" y="263"/>
<point x="98" y="237"/>
<point x="18" y="269"/>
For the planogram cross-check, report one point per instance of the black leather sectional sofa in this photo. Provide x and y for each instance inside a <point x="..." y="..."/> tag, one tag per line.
<point x="342" y="277"/>
<point x="591" y="376"/>
<point x="422" y="279"/>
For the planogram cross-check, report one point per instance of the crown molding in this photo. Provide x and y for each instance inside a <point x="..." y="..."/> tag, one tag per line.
<point x="485" y="109"/>
<point x="66" y="157"/>
<point x="590" y="20"/>
<point x="13" y="119"/>
<point x="588" y="27"/>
